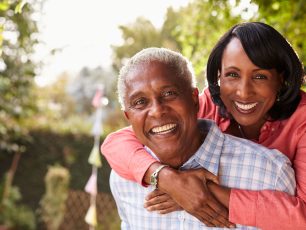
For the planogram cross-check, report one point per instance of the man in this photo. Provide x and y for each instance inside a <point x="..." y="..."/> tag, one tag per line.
<point x="158" y="95"/>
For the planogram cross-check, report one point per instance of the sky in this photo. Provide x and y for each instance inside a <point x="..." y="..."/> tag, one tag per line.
<point x="82" y="31"/>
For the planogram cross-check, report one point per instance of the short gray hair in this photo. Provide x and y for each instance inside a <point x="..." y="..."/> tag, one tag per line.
<point x="162" y="55"/>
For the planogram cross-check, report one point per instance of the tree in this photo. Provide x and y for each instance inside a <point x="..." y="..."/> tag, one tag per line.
<point x="17" y="71"/>
<point x="83" y="87"/>
<point x="289" y="18"/>
<point x="139" y="35"/>
<point x="195" y="29"/>
<point x="201" y="24"/>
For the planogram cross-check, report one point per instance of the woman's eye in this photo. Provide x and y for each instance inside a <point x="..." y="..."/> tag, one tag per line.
<point x="231" y="74"/>
<point x="260" y="76"/>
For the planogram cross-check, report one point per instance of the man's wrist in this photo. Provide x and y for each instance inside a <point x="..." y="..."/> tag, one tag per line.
<point x="150" y="170"/>
<point x="167" y="176"/>
<point x="154" y="176"/>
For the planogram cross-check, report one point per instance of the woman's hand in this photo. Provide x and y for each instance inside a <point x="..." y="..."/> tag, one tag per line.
<point x="160" y="202"/>
<point x="189" y="190"/>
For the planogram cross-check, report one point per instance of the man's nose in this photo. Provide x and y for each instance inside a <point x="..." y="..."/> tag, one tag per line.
<point x="157" y="109"/>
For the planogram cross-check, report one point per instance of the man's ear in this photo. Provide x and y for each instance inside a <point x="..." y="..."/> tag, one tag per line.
<point x="126" y="115"/>
<point x="195" y="97"/>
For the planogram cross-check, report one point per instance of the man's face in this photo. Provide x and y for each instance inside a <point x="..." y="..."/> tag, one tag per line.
<point x="162" y="109"/>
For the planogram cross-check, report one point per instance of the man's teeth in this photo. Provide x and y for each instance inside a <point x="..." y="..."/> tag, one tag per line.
<point x="164" y="129"/>
<point x="245" y="106"/>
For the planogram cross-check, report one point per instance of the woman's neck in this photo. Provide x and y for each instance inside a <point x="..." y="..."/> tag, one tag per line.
<point x="251" y="132"/>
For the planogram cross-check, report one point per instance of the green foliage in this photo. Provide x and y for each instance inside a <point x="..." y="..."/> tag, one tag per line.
<point x="198" y="32"/>
<point x="137" y="36"/>
<point x="56" y="110"/>
<point x="48" y="148"/>
<point x="20" y="5"/>
<point x="195" y="29"/>
<point x="53" y="204"/>
<point x="113" y="221"/>
<point x="16" y="72"/>
<point x="289" y="18"/>
<point x="14" y="215"/>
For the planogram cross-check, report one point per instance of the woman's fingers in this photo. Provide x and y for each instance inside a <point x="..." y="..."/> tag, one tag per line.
<point x="153" y="194"/>
<point x="161" y="202"/>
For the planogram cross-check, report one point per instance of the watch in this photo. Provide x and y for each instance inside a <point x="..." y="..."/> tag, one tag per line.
<point x="154" y="176"/>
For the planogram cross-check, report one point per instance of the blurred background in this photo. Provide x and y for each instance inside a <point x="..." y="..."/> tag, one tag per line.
<point x="56" y="54"/>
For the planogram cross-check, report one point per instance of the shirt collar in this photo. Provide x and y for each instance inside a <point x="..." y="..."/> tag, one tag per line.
<point x="209" y="153"/>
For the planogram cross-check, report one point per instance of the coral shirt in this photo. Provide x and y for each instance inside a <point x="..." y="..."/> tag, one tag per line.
<point x="263" y="209"/>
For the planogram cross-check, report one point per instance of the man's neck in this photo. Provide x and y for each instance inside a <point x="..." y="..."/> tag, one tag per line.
<point x="186" y="153"/>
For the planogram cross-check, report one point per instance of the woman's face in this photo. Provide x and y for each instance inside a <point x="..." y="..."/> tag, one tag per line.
<point x="247" y="91"/>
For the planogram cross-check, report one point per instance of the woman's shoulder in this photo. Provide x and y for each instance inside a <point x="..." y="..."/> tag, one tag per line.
<point x="298" y="117"/>
<point x="301" y="108"/>
<point x="303" y="99"/>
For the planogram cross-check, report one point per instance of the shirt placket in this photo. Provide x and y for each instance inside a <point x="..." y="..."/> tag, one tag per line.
<point x="182" y="220"/>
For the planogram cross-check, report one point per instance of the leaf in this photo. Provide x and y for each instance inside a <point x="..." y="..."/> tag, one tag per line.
<point x="4" y="5"/>
<point x="19" y="6"/>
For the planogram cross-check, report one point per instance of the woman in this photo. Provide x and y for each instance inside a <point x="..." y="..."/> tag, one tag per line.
<point x="254" y="78"/>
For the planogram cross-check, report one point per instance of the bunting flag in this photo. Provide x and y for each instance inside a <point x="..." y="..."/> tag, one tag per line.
<point x="91" y="215"/>
<point x="97" y="99"/>
<point x="91" y="186"/>
<point x="97" y="127"/>
<point x="94" y="157"/>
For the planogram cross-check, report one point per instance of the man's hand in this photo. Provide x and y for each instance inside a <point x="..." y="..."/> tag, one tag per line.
<point x="189" y="190"/>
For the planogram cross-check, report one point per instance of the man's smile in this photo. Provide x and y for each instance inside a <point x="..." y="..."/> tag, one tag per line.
<point x="164" y="129"/>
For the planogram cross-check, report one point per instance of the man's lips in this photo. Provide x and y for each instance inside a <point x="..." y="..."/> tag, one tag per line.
<point x="164" y="129"/>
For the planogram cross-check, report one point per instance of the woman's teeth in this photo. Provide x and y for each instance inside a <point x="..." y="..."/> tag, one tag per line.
<point x="245" y="106"/>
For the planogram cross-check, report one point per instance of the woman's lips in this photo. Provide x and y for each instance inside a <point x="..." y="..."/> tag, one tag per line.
<point x="245" y="107"/>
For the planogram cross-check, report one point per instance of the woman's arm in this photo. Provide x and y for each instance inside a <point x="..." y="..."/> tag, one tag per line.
<point x="274" y="210"/>
<point x="126" y="155"/>
<point x="130" y="160"/>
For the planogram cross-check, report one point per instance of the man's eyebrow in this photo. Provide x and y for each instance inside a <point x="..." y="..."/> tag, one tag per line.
<point x="133" y="95"/>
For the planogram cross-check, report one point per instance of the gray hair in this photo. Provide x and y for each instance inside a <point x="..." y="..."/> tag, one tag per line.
<point x="162" y="55"/>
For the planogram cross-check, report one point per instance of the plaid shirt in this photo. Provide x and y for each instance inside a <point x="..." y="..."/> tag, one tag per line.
<point x="237" y="162"/>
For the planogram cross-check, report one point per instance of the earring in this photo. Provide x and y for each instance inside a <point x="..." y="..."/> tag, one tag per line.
<point x="278" y="97"/>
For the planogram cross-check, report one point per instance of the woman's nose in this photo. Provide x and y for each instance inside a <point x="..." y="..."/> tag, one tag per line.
<point x="244" y="89"/>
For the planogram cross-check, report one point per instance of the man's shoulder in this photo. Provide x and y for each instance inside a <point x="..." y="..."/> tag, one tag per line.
<point x="239" y="146"/>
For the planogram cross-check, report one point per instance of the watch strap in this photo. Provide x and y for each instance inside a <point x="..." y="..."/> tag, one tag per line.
<point x="154" y="176"/>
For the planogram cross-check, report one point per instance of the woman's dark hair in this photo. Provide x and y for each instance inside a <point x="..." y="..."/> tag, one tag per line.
<point x="267" y="49"/>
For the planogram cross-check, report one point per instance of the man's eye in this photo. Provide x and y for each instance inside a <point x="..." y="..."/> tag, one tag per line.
<point x="139" y="103"/>
<point x="169" y="93"/>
